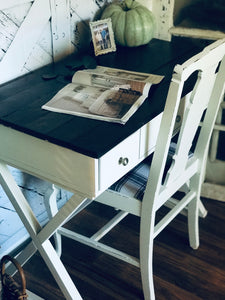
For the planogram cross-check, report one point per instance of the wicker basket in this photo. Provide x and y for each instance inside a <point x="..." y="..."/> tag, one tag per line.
<point x="11" y="290"/>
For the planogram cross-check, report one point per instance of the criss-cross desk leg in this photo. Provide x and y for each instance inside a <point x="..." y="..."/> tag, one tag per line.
<point x="40" y="236"/>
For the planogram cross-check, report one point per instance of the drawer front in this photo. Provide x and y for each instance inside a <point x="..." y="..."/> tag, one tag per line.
<point x="118" y="161"/>
<point x="63" y="167"/>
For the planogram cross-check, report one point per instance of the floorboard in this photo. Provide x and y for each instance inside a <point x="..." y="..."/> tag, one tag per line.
<point x="180" y="273"/>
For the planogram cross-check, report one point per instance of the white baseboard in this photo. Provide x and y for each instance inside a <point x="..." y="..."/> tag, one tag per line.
<point x="213" y="191"/>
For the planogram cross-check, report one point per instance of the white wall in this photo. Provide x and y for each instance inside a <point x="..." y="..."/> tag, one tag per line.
<point x="34" y="33"/>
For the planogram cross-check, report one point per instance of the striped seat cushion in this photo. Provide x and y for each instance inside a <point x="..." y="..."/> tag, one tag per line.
<point x="134" y="182"/>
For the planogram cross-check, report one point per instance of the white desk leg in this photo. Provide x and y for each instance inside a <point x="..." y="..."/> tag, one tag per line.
<point x="50" y="200"/>
<point x="57" y="268"/>
<point x="33" y="227"/>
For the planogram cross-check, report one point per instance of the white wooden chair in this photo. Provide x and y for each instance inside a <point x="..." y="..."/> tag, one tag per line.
<point x="163" y="181"/>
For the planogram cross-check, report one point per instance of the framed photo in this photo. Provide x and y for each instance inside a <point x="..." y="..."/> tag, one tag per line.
<point x="102" y="36"/>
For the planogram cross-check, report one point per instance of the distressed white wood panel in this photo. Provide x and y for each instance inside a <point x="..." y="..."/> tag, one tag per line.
<point x="38" y="58"/>
<point x="41" y="53"/>
<point x="25" y="40"/>
<point x="10" y="21"/>
<point x="80" y="17"/>
<point x="147" y="3"/>
<point x="163" y="10"/>
<point x="87" y="11"/>
<point x="18" y="13"/>
<point x="60" y="22"/>
<point x="45" y="41"/>
<point x="7" y="31"/>
<point x="28" y="43"/>
<point x="12" y="3"/>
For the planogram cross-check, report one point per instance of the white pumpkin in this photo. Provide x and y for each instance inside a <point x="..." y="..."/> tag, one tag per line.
<point x="133" y="24"/>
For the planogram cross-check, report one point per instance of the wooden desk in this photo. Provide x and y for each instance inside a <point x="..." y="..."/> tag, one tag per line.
<point x="78" y="154"/>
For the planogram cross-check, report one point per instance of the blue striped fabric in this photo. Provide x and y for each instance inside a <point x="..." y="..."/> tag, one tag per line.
<point x="133" y="183"/>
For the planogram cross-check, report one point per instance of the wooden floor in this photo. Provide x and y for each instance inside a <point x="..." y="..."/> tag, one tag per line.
<point x="179" y="272"/>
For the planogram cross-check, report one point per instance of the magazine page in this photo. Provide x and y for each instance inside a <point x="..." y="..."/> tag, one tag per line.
<point x="95" y="102"/>
<point x="111" y="77"/>
<point x="101" y="94"/>
<point x="74" y="98"/>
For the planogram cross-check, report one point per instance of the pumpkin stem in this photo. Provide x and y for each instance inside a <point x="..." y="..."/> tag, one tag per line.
<point x="127" y="4"/>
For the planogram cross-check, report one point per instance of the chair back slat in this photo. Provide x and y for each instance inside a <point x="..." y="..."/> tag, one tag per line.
<point x="208" y="88"/>
<point x="216" y="98"/>
<point x="193" y="113"/>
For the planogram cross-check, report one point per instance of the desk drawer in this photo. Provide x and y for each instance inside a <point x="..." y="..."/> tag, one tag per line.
<point x="118" y="161"/>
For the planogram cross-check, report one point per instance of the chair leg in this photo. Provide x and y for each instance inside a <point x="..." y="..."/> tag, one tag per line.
<point x="193" y="228"/>
<point x="193" y="214"/>
<point x="146" y="266"/>
<point x="202" y="210"/>
<point x="146" y="255"/>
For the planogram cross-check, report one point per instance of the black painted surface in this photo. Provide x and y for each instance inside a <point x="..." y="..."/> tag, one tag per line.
<point x="22" y="98"/>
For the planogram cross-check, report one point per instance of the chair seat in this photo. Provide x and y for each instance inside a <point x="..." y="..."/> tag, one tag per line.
<point x="133" y="183"/>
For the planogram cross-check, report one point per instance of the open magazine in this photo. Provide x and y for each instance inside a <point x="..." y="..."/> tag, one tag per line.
<point x="103" y="93"/>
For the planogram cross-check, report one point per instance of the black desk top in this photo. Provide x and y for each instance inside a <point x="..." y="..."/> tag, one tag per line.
<point x="22" y="98"/>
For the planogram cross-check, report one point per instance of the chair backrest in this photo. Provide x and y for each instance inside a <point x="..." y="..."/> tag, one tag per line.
<point x="201" y="107"/>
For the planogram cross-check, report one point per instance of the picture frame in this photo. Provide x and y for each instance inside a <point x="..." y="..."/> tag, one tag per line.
<point x="102" y="36"/>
